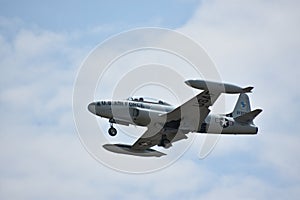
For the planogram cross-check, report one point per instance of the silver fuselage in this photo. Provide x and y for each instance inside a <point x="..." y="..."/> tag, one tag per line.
<point x="128" y="112"/>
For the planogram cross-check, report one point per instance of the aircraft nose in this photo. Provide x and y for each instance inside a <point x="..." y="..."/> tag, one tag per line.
<point x="92" y="108"/>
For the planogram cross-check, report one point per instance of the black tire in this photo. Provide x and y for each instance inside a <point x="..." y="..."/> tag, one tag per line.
<point x="112" y="131"/>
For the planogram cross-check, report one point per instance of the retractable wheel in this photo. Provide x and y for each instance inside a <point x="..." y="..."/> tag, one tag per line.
<point x="112" y="131"/>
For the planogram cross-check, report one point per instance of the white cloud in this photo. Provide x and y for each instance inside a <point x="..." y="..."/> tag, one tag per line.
<point x="51" y="165"/>
<point x="280" y="152"/>
<point x="248" y="187"/>
<point x="256" y="42"/>
<point x="29" y="43"/>
<point x="42" y="154"/>
<point x="251" y="42"/>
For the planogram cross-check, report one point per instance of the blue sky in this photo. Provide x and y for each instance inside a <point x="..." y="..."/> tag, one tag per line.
<point x="70" y="15"/>
<point x="42" y="46"/>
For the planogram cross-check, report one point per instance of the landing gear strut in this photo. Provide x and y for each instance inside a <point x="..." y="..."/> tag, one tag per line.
<point x="112" y="131"/>
<point x="165" y="142"/>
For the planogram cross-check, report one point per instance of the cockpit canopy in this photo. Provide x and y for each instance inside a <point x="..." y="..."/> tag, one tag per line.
<point x="148" y="100"/>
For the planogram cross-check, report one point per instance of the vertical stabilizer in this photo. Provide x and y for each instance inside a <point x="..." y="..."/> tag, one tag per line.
<point x="241" y="107"/>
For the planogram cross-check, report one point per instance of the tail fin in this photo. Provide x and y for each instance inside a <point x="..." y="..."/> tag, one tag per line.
<point x="242" y="106"/>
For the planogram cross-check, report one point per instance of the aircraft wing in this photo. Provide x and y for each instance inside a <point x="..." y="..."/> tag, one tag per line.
<point x="194" y="111"/>
<point x="200" y="102"/>
<point x="149" y="139"/>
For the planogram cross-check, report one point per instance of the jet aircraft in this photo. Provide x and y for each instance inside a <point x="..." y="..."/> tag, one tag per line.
<point x="167" y="124"/>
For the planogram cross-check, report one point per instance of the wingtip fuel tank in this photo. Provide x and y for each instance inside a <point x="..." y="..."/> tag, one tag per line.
<point x="126" y="149"/>
<point x="217" y="86"/>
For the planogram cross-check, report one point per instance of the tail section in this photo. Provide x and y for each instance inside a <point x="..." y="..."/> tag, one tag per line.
<point x="241" y="107"/>
<point x="242" y="111"/>
<point x="248" y="117"/>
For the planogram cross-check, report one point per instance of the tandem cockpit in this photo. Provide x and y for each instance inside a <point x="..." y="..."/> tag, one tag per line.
<point x="148" y="100"/>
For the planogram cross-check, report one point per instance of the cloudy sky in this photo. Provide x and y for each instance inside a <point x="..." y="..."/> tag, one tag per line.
<point x="42" y="45"/>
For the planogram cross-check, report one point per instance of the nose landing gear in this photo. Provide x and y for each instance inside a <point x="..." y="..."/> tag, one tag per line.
<point x="112" y="131"/>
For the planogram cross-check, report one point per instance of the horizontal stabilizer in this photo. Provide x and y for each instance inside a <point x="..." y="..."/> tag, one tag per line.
<point x="126" y="149"/>
<point x="248" y="117"/>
